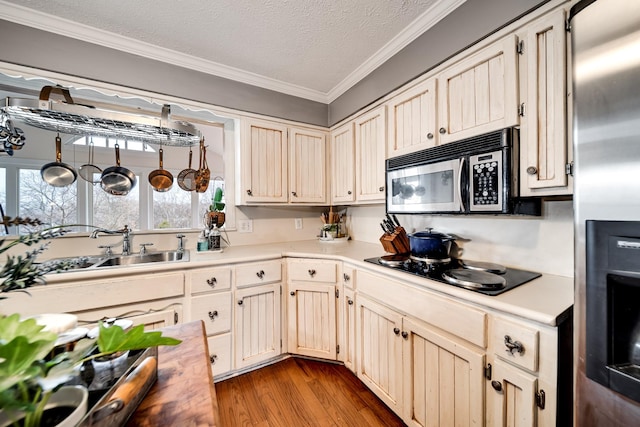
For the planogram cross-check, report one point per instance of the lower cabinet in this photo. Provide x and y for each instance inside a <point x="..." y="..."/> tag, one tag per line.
<point x="348" y="347"/>
<point x="512" y="397"/>
<point x="257" y="324"/>
<point x="220" y="354"/>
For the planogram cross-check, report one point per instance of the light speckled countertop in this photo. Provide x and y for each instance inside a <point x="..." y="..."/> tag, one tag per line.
<point x="546" y="300"/>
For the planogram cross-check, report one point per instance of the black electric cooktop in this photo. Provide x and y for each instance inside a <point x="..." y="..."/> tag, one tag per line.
<point x="492" y="280"/>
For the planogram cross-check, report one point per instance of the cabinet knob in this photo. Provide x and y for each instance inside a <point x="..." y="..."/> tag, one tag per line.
<point x="213" y="314"/>
<point x="292" y="293"/>
<point x="532" y="170"/>
<point x="513" y="346"/>
<point x="396" y="331"/>
<point x="429" y="135"/>
<point x="442" y="131"/>
<point x="497" y="385"/>
<point x="249" y="193"/>
<point x="213" y="358"/>
<point x="240" y="302"/>
<point x="312" y="272"/>
<point x="349" y="192"/>
<point x="260" y="274"/>
<point x="350" y="302"/>
<point x="346" y="277"/>
<point x="405" y="335"/>
<point x="212" y="282"/>
<point x="381" y="188"/>
<point x="294" y="194"/>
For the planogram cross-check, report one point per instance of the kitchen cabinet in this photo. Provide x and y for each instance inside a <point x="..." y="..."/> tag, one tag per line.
<point x="343" y="165"/>
<point x="544" y="149"/>
<point x="479" y="94"/>
<point x="279" y="164"/>
<point x="512" y="397"/>
<point x="370" y="144"/>
<point x="311" y="307"/>
<point x="153" y="315"/>
<point x="412" y="119"/>
<point x="347" y="316"/>
<point x="257" y="324"/>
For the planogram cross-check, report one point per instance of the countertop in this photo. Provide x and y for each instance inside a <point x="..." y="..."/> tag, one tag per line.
<point x="184" y="394"/>
<point x="547" y="299"/>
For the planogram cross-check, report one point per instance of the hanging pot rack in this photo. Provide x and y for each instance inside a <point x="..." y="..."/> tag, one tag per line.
<point x="65" y="116"/>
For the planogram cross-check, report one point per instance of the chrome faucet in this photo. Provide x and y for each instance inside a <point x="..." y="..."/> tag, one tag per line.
<point x="126" y="237"/>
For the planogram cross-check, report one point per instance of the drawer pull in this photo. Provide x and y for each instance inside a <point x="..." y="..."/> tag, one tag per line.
<point x="513" y="346"/>
<point x="396" y="331"/>
<point x="350" y="302"/>
<point x="497" y="385"/>
<point x="312" y="272"/>
<point x="213" y="358"/>
<point x="213" y="314"/>
<point x="212" y="282"/>
<point x="346" y="277"/>
<point x="405" y="335"/>
<point x="260" y="274"/>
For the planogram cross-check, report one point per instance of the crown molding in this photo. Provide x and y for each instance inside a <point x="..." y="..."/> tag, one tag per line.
<point x="422" y="23"/>
<point x="42" y="21"/>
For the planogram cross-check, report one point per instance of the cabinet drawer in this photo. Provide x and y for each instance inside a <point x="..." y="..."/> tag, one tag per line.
<point x="312" y="270"/>
<point x="220" y="354"/>
<point x="349" y="276"/>
<point x="521" y="346"/>
<point x="258" y="273"/>
<point x="214" y="310"/>
<point x="210" y="279"/>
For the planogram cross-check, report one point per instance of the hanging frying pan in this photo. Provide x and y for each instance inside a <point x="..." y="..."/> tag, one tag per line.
<point x="116" y="180"/>
<point x="56" y="173"/>
<point x="160" y="179"/>
<point x="88" y="171"/>
<point x="187" y="177"/>
<point x="204" y="174"/>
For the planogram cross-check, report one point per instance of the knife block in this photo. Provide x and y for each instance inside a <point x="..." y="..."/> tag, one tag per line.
<point x="397" y="242"/>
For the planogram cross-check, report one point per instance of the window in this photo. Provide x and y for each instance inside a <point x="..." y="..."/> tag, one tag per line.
<point x="51" y="205"/>
<point x="172" y="209"/>
<point x="113" y="212"/>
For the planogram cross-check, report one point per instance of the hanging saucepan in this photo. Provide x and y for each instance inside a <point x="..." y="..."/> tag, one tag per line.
<point x="116" y="180"/>
<point x="430" y="244"/>
<point x="187" y="177"/>
<point x="204" y="174"/>
<point x="89" y="171"/>
<point x="56" y="173"/>
<point x="160" y="179"/>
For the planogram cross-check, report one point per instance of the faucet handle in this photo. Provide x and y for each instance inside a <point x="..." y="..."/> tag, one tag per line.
<point x="107" y="249"/>
<point x="180" y="243"/>
<point x="143" y="247"/>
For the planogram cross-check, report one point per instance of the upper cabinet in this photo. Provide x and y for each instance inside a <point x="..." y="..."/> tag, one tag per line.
<point x="412" y="119"/>
<point x="370" y="136"/>
<point x="343" y="175"/>
<point x="479" y="94"/>
<point x="281" y="165"/>
<point x="544" y="150"/>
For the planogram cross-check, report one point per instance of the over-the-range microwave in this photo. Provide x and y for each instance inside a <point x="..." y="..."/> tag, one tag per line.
<point x="474" y="175"/>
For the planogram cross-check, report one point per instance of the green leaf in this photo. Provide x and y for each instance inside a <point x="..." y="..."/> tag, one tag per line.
<point x="113" y="339"/>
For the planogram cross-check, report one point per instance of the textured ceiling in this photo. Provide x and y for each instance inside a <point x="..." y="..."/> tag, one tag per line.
<point x="314" y="44"/>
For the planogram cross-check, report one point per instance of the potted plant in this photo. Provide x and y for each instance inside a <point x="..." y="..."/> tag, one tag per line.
<point x="216" y="208"/>
<point x="29" y="375"/>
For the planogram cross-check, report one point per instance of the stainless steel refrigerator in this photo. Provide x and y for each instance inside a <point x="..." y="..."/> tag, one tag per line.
<point x="605" y="38"/>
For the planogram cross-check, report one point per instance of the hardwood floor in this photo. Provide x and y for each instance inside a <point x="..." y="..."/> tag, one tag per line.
<point x="300" y="392"/>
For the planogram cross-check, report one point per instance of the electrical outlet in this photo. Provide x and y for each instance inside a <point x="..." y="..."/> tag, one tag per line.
<point x="245" y="226"/>
<point x="298" y="222"/>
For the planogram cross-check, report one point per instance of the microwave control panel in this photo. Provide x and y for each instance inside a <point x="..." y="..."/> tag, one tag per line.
<point x="486" y="181"/>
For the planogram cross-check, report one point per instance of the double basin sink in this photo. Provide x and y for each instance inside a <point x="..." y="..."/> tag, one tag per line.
<point x="98" y="262"/>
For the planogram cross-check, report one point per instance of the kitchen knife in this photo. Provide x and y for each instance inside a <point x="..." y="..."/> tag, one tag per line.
<point x="384" y="229"/>
<point x="395" y="218"/>
<point x="389" y="226"/>
<point x="390" y="221"/>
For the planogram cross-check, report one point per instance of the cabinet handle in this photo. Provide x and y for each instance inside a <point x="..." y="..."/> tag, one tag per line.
<point x="396" y="331"/>
<point x="513" y="346"/>
<point x="497" y="385"/>
<point x="405" y="335"/>
<point x="213" y="314"/>
<point x="260" y="274"/>
<point x="346" y="277"/>
<point x="292" y="293"/>
<point x="349" y="192"/>
<point x="213" y="358"/>
<point x="442" y="131"/>
<point x="212" y="282"/>
<point x="429" y="135"/>
<point x="239" y="302"/>
<point x="312" y="272"/>
<point x="249" y="193"/>
<point x="381" y="188"/>
<point x="350" y="302"/>
<point x="294" y="194"/>
<point x="532" y="170"/>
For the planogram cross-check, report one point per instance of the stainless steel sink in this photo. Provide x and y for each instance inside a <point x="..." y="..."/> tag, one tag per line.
<point x="149" y="257"/>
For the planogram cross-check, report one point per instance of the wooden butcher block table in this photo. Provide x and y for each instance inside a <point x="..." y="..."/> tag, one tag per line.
<point x="184" y="394"/>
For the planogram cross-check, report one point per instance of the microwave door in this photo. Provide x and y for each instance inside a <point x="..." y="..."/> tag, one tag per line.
<point x="428" y="188"/>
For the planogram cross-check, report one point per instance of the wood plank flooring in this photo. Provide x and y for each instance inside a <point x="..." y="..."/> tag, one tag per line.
<point x="300" y="392"/>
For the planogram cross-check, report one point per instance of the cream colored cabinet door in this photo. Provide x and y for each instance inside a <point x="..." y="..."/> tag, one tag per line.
<point x="543" y="135"/>
<point x="348" y="347"/>
<point x="370" y="134"/>
<point x="264" y="162"/>
<point x="220" y="354"/>
<point x="379" y="350"/>
<point x="479" y="94"/>
<point x="311" y="313"/>
<point x="511" y="397"/>
<point x="443" y="379"/>
<point x="308" y="166"/>
<point x="343" y="165"/>
<point x="257" y="324"/>
<point x="412" y="120"/>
